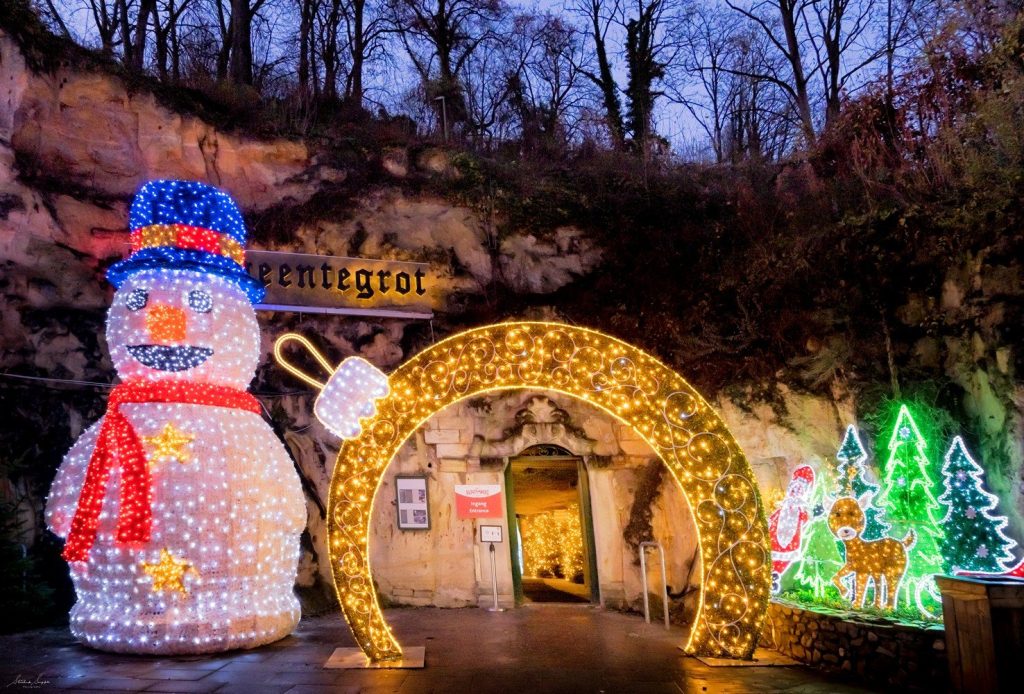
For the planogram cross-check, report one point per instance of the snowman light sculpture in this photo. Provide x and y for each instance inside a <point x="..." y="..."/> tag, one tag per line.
<point x="181" y="509"/>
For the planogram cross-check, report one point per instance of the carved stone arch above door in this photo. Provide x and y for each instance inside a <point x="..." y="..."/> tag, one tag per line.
<point x="540" y="421"/>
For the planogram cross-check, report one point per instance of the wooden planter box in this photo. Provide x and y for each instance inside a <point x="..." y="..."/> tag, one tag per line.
<point x="984" y="633"/>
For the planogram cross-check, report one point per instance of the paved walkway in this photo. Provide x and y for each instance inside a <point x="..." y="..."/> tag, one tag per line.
<point x="535" y="649"/>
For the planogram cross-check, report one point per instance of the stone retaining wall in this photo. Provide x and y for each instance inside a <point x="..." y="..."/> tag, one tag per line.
<point x="879" y="653"/>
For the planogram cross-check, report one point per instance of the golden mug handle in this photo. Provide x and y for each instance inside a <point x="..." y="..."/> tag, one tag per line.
<point x="279" y="357"/>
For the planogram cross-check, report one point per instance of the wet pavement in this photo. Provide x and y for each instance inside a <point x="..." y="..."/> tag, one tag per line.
<point x="537" y="648"/>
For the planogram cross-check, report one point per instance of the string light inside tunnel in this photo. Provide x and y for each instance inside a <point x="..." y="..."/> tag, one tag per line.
<point x="553" y="544"/>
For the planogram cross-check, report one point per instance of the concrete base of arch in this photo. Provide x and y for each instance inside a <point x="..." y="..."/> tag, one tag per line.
<point x="413" y="658"/>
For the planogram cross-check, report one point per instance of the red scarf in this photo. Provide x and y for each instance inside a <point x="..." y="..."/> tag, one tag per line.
<point x="118" y="443"/>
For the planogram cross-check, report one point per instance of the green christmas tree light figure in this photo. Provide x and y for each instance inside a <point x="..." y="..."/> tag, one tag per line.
<point x="909" y="502"/>
<point x="821" y="555"/>
<point x="852" y="482"/>
<point x="974" y="539"/>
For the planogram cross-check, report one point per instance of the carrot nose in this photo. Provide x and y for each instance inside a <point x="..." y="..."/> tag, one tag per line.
<point x="166" y="323"/>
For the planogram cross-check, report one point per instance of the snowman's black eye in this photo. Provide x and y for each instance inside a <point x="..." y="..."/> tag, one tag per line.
<point x="200" y="301"/>
<point x="137" y="299"/>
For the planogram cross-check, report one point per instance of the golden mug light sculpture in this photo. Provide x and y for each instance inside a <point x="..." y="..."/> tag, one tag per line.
<point x="627" y="383"/>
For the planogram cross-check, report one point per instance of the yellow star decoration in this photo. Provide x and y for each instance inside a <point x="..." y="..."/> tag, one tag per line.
<point x="171" y="443"/>
<point x="168" y="573"/>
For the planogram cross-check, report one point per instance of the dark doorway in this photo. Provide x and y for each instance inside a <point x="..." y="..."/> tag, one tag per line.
<point x="553" y="547"/>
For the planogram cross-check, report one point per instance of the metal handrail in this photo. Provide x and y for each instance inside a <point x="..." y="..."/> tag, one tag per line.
<point x="664" y="580"/>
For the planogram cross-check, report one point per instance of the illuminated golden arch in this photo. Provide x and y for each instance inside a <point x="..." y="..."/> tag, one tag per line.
<point x="625" y="382"/>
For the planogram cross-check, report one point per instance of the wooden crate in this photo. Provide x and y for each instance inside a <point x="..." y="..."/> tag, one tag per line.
<point x="984" y="633"/>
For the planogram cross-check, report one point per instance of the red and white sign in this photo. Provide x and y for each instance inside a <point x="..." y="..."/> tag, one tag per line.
<point x="478" y="501"/>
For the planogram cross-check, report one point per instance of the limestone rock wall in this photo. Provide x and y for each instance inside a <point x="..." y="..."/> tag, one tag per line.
<point x="775" y="445"/>
<point x="95" y="133"/>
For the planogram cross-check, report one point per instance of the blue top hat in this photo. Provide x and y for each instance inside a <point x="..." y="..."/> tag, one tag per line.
<point x="187" y="225"/>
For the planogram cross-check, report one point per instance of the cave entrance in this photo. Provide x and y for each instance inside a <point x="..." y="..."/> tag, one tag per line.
<point x="640" y="392"/>
<point x="552" y="542"/>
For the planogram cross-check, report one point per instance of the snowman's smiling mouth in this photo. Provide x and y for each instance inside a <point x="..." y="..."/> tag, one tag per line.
<point x="170" y="357"/>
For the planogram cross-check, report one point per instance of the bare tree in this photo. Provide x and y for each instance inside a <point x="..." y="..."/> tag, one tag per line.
<point x="225" y="31"/>
<point x="331" y="12"/>
<point x="487" y="77"/>
<point x="651" y="36"/>
<point x="908" y="26"/>
<point x="307" y="13"/>
<point x="654" y="38"/>
<point x="779" y="20"/>
<point x="752" y="74"/>
<point x="336" y="40"/>
<point x="522" y="82"/>
<point x="550" y="85"/>
<point x="760" y="119"/>
<point x="50" y="13"/>
<point x="841" y="46"/>
<point x="240" y="60"/>
<point x="828" y="47"/>
<point x="440" y="36"/>
<point x="366" y="28"/>
<point x="166" y="17"/>
<point x="147" y="8"/>
<point x="105" y="19"/>
<point x="703" y="85"/>
<point x="599" y="18"/>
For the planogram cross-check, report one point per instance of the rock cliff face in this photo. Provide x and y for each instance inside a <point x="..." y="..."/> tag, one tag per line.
<point x="89" y="131"/>
<point x="73" y="148"/>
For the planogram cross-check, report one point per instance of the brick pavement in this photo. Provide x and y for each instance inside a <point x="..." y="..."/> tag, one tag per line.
<point x="538" y="648"/>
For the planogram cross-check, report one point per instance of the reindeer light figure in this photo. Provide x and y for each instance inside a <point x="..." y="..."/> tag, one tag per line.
<point x="882" y="561"/>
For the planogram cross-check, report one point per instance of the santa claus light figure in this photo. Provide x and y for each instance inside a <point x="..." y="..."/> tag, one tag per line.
<point x="786" y="524"/>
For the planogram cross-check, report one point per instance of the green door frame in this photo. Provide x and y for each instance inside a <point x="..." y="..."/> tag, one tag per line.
<point x="589" y="543"/>
<point x="513" y="536"/>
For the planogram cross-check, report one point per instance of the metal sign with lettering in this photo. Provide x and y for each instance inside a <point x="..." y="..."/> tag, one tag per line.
<point x="334" y="284"/>
<point x="478" y="501"/>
